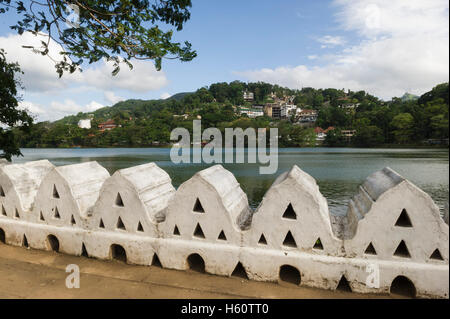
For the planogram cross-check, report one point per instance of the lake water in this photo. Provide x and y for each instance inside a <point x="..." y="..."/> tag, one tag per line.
<point x="338" y="171"/>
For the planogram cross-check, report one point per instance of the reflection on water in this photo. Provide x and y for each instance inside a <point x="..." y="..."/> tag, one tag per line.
<point x="338" y="171"/>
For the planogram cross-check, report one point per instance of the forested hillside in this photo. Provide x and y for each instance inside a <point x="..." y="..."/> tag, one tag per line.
<point x="408" y="120"/>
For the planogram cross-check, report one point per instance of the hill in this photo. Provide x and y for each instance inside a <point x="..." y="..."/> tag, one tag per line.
<point x="409" y="97"/>
<point x="179" y="96"/>
<point x="143" y="123"/>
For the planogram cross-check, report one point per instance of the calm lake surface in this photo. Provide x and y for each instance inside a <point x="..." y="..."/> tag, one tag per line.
<point x="338" y="171"/>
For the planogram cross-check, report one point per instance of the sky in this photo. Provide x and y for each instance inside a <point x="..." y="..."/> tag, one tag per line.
<point x="385" y="47"/>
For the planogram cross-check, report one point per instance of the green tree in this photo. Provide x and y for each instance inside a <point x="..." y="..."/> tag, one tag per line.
<point x="368" y="136"/>
<point x="403" y="125"/>
<point x="10" y="114"/>
<point x="439" y="123"/>
<point x="115" y="30"/>
<point x="334" y="138"/>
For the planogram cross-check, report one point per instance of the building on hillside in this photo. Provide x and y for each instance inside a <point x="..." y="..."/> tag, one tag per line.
<point x="248" y="96"/>
<point x="348" y="106"/>
<point x="308" y="115"/>
<point x="306" y="118"/>
<point x="251" y="112"/>
<point x="280" y="109"/>
<point x="268" y="109"/>
<point x="86" y="123"/>
<point x="107" y="126"/>
<point x="276" y="112"/>
<point x="321" y="133"/>
<point x="348" y="134"/>
<point x="288" y="110"/>
<point x="184" y="116"/>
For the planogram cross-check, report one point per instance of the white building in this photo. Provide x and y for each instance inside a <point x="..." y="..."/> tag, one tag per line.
<point x="84" y="123"/>
<point x="288" y="110"/>
<point x="248" y="96"/>
<point x="251" y="112"/>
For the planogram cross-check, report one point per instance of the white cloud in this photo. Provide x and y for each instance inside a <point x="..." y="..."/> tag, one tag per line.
<point x="57" y="109"/>
<point x="165" y="95"/>
<point x="142" y="78"/>
<point x="329" y="41"/>
<point x="41" y="80"/>
<point x="393" y="18"/>
<point x="31" y="107"/>
<point x="40" y="73"/>
<point x="312" y="57"/>
<point x="71" y="107"/>
<point x="112" y="98"/>
<point x="35" y="110"/>
<point x="404" y="47"/>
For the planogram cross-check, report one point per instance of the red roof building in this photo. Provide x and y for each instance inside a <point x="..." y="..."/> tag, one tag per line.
<point x="106" y="126"/>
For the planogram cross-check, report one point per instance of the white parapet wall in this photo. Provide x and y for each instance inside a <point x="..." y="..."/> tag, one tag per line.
<point x="127" y="211"/>
<point x="446" y="213"/>
<point x="206" y="214"/>
<point x="393" y="233"/>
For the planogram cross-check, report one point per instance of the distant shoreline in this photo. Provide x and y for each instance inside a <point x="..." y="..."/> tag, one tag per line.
<point x="390" y="146"/>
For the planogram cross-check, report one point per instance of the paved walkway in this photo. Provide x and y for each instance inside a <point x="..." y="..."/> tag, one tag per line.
<point x="28" y="273"/>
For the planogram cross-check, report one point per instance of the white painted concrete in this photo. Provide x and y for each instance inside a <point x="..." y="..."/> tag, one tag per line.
<point x="422" y="232"/>
<point x="294" y="205"/>
<point x="68" y="193"/>
<point x="446" y="213"/>
<point x="19" y="184"/>
<point x="221" y="206"/>
<point x="136" y="195"/>
<point x="87" y="193"/>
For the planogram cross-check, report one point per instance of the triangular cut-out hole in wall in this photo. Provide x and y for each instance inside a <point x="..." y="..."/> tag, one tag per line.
<point x="55" y="192"/>
<point x="120" y="224"/>
<point x="176" y="231"/>
<point x="72" y="220"/>
<point x="140" y="228"/>
<point x="289" y="213"/>
<point x="2" y="192"/>
<point x="57" y="215"/>
<point x="343" y="285"/>
<point x="222" y="236"/>
<point x="436" y="255"/>
<point x="155" y="261"/>
<point x="84" y="252"/>
<point x="41" y="216"/>
<point x="402" y="250"/>
<point x="25" y="241"/>
<point x="239" y="271"/>
<point x="101" y="224"/>
<point x="3" y="211"/>
<point x="119" y="201"/>
<point x="318" y="244"/>
<point x="403" y="220"/>
<point x="370" y="250"/>
<point x="16" y="214"/>
<point x="289" y="240"/>
<point x="198" y="208"/>
<point x="198" y="232"/>
<point x="262" y="240"/>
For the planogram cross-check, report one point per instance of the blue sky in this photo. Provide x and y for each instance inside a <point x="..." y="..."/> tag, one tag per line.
<point x="383" y="47"/>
